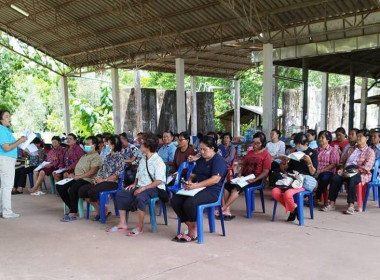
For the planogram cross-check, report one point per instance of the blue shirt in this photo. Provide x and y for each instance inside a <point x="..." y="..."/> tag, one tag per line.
<point x="6" y="137"/>
<point x="222" y="150"/>
<point x="167" y="152"/>
<point x="204" y="170"/>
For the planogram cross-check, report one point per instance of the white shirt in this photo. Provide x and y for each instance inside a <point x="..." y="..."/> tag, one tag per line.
<point x="276" y="149"/>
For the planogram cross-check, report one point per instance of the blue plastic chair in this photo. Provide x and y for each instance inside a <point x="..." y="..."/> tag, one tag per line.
<point x="250" y="198"/>
<point x="374" y="184"/>
<point x="152" y="212"/>
<point x="103" y="200"/>
<point x="177" y="183"/>
<point x="210" y="207"/>
<point x="298" y="199"/>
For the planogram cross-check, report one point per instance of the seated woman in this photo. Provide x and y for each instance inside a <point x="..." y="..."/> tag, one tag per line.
<point x="183" y="151"/>
<point x="276" y="148"/>
<point x="307" y="166"/>
<point x="151" y="175"/>
<point x="311" y="134"/>
<point x="341" y="140"/>
<point x="230" y="149"/>
<point x="132" y="156"/>
<point x="71" y="155"/>
<point x="55" y="157"/>
<point x="258" y="162"/>
<point x="375" y="137"/>
<point x="86" y="169"/>
<point x="352" y="138"/>
<point x="360" y="158"/>
<point x="108" y="176"/>
<point x="35" y="159"/>
<point x="209" y="172"/>
<point x="167" y="150"/>
<point x="328" y="160"/>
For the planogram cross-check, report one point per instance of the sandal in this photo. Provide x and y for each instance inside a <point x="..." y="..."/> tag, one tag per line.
<point x="134" y="232"/>
<point x="185" y="238"/>
<point x="116" y="229"/>
<point x="350" y="211"/>
<point x="177" y="237"/>
<point x="228" y="217"/>
<point x="97" y="217"/>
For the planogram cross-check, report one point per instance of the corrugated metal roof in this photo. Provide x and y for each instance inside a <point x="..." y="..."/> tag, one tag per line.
<point x="152" y="33"/>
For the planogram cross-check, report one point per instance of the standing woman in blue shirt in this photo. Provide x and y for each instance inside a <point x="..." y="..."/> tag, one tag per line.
<point x="8" y="155"/>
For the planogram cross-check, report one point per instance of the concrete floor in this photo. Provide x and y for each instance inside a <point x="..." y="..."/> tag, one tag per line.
<point x="332" y="246"/>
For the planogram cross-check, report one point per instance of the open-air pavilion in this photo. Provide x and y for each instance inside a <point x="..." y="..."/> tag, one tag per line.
<point x="199" y="38"/>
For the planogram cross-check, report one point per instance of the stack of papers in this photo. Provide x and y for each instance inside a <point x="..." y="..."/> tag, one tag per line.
<point x="60" y="170"/>
<point x="29" y="138"/>
<point x="296" y="156"/>
<point x="64" y="181"/>
<point x="190" y="192"/>
<point x="243" y="181"/>
<point x="42" y="165"/>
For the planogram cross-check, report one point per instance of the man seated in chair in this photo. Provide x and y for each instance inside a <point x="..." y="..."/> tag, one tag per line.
<point x="258" y="162"/>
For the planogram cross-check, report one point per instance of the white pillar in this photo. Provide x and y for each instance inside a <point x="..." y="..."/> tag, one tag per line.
<point x="181" y="97"/>
<point x="267" y="89"/>
<point x="136" y="75"/>
<point x="66" y="109"/>
<point x="194" y="116"/>
<point x="116" y="100"/>
<point x="237" y="108"/>
<point x="363" y="103"/>
<point x="324" y="99"/>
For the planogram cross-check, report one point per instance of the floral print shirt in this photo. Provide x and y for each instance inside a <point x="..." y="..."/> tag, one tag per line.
<point x="130" y="152"/>
<point x="113" y="164"/>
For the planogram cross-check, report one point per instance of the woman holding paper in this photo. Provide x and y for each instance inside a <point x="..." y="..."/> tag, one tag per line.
<point x="53" y="162"/>
<point x="258" y="162"/>
<point x="150" y="176"/>
<point x="307" y="166"/>
<point x="8" y="155"/>
<point x="35" y="159"/>
<point x="182" y="153"/>
<point x="207" y="177"/>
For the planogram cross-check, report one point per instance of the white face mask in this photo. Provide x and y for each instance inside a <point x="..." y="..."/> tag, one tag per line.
<point x="301" y="149"/>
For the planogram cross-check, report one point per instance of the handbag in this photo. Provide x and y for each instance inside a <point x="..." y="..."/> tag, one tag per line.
<point x="162" y="194"/>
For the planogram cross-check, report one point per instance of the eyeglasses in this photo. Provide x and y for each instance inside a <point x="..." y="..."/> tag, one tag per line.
<point x="181" y="139"/>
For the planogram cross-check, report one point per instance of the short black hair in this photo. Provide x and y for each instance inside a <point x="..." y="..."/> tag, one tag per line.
<point x="2" y="112"/>
<point x="72" y="135"/>
<point x="94" y="141"/>
<point x="37" y="141"/>
<point x="365" y="133"/>
<point x="56" y="138"/>
<point x="354" y="129"/>
<point x="213" y="134"/>
<point x="262" y="137"/>
<point x="150" y="141"/>
<point x="312" y="132"/>
<point x="227" y="134"/>
<point x="300" y="138"/>
<point x="185" y="135"/>
<point x="277" y="131"/>
<point x="327" y="135"/>
<point x="199" y="135"/>
<point x="210" y="142"/>
<point x="115" y="140"/>
<point x="123" y="135"/>
<point x="170" y="132"/>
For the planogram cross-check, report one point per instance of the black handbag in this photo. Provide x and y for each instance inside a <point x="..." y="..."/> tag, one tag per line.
<point x="162" y="194"/>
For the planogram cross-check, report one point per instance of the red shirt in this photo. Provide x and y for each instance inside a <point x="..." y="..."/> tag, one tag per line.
<point x="341" y="145"/>
<point x="256" y="162"/>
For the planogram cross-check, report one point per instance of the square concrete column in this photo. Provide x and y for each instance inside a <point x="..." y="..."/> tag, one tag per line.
<point x="138" y="102"/>
<point x="267" y="89"/>
<point x="236" y="108"/>
<point x="363" y="103"/>
<point x="193" y="107"/>
<point x="324" y="99"/>
<point x="66" y="109"/>
<point x="181" y="97"/>
<point x="305" y="79"/>
<point x="351" y="109"/>
<point x="116" y="100"/>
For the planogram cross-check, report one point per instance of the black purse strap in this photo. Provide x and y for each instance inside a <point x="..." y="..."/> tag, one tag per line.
<point x="147" y="169"/>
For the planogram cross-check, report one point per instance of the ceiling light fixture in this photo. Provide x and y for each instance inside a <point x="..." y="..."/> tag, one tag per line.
<point x="21" y="11"/>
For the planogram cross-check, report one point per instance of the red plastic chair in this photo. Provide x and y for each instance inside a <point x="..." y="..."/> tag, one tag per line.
<point x="230" y="169"/>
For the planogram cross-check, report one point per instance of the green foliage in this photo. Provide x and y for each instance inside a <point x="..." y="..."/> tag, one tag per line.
<point x="159" y="80"/>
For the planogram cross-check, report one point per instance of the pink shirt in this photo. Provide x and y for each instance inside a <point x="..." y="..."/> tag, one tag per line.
<point x="327" y="156"/>
<point x="71" y="157"/>
<point x="55" y="157"/>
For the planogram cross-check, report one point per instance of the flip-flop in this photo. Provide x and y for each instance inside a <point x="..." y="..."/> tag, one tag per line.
<point x="185" y="238"/>
<point x="228" y="217"/>
<point x="97" y="217"/>
<point x="134" y="232"/>
<point x="177" y="237"/>
<point x="116" y="229"/>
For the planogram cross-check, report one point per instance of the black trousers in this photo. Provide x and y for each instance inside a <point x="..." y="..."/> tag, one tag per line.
<point x="69" y="193"/>
<point x="92" y="191"/>
<point x="126" y="200"/>
<point x="20" y="176"/>
<point x="337" y="181"/>
<point x="186" y="206"/>
<point x="323" y="181"/>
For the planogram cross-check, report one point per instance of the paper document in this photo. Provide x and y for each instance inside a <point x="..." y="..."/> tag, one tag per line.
<point x="42" y="165"/>
<point x="243" y="181"/>
<point x="296" y="156"/>
<point x="29" y="138"/>
<point x="64" y="181"/>
<point x="190" y="192"/>
<point x="32" y="150"/>
<point x="171" y="178"/>
<point x="60" y="170"/>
